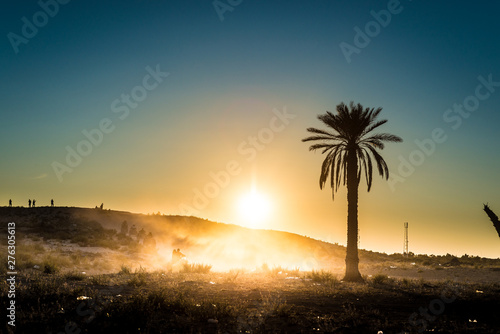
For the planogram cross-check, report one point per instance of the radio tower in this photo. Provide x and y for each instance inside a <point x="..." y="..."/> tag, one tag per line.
<point x="405" y="246"/>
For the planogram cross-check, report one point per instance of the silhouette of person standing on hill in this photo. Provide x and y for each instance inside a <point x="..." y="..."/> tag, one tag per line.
<point x="52" y="203"/>
<point x="34" y="203"/>
<point x="10" y="203"/>
<point x="29" y="203"/>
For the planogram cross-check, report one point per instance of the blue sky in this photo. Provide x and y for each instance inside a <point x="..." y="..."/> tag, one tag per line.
<point x="225" y="78"/>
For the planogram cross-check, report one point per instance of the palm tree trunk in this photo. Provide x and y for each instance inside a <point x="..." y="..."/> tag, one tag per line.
<point x="351" y="260"/>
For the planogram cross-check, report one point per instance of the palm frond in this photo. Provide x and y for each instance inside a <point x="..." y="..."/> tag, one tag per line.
<point x="374" y="126"/>
<point x="325" y="168"/>
<point x="386" y="137"/>
<point x="381" y="165"/>
<point x="319" y="146"/>
<point x="321" y="132"/>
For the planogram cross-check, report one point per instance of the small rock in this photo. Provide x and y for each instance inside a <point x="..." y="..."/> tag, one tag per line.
<point x="82" y="298"/>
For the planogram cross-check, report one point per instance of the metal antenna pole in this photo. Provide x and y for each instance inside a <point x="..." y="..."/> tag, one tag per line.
<point x="405" y="246"/>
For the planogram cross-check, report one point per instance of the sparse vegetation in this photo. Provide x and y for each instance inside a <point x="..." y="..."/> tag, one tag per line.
<point x="74" y="276"/>
<point x="322" y="276"/>
<point x="196" y="268"/>
<point x="380" y="279"/>
<point x="50" y="268"/>
<point x="138" y="279"/>
<point x="125" y="270"/>
<point x="184" y="302"/>
<point x="232" y="276"/>
<point x="100" y="279"/>
<point x="271" y="298"/>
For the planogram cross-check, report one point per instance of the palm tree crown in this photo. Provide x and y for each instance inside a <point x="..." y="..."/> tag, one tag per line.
<point x="351" y="128"/>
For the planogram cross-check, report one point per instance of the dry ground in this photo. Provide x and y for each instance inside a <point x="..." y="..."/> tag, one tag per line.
<point x="78" y="274"/>
<point x="274" y="301"/>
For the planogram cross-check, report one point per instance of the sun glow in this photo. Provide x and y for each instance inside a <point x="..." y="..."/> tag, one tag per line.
<point x="254" y="209"/>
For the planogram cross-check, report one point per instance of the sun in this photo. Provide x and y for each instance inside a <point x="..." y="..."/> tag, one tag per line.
<point x="254" y="209"/>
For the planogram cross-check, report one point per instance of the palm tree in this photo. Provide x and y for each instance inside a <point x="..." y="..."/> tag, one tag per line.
<point x="350" y="147"/>
<point x="493" y="218"/>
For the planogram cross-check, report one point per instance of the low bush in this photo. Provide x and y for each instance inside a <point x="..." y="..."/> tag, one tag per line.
<point x="125" y="270"/>
<point x="50" y="268"/>
<point x="74" y="276"/>
<point x="380" y="279"/>
<point x="198" y="268"/>
<point x="322" y="276"/>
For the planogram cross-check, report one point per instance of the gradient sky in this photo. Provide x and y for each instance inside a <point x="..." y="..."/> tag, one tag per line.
<point x="225" y="79"/>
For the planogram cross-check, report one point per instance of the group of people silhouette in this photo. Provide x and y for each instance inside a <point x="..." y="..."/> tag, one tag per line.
<point x="32" y="203"/>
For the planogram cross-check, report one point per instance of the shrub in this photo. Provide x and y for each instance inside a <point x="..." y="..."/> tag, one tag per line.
<point x="25" y="260"/>
<point x="138" y="279"/>
<point x="100" y="279"/>
<point x="232" y="276"/>
<point x="322" y="276"/>
<point x="125" y="270"/>
<point x="380" y="279"/>
<point x="198" y="268"/>
<point x="134" y="281"/>
<point x="406" y="282"/>
<point x="294" y="272"/>
<point x="277" y="270"/>
<point x="74" y="276"/>
<point x="106" y="243"/>
<point x="50" y="268"/>
<point x="82" y="240"/>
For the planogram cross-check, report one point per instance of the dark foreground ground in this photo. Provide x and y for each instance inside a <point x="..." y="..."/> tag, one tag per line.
<point x="80" y="272"/>
<point x="270" y="301"/>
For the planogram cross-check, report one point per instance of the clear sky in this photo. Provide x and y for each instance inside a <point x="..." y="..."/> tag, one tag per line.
<point x="191" y="104"/>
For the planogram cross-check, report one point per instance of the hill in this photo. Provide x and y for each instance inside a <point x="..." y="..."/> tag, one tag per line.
<point x="221" y="245"/>
<point x="93" y="240"/>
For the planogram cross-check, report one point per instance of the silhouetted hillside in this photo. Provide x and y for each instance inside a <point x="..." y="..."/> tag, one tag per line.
<point x="223" y="246"/>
